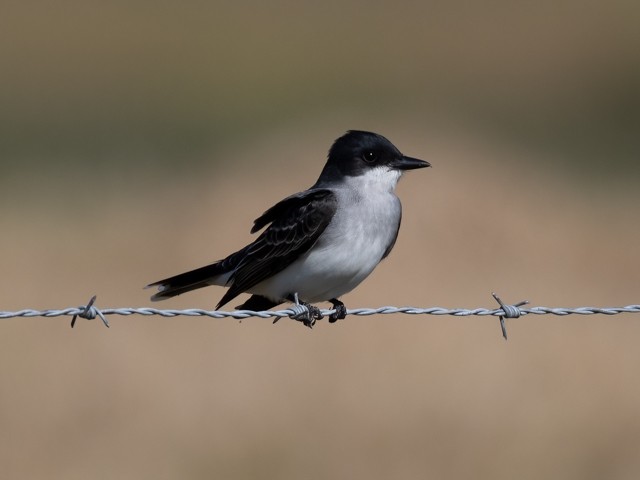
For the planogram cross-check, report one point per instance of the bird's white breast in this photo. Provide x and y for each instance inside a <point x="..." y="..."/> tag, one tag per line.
<point x="363" y="227"/>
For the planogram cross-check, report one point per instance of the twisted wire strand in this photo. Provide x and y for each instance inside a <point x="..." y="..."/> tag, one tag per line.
<point x="93" y="311"/>
<point x="307" y="314"/>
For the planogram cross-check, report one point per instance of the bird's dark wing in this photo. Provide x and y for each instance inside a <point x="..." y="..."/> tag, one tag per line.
<point x="295" y="224"/>
<point x="282" y="208"/>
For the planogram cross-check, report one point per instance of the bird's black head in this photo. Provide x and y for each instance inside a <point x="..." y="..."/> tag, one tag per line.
<point x="358" y="152"/>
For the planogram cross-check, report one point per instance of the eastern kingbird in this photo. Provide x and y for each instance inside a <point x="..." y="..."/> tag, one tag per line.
<point x="320" y="243"/>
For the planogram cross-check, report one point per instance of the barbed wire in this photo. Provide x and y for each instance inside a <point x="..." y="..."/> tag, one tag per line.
<point x="302" y="313"/>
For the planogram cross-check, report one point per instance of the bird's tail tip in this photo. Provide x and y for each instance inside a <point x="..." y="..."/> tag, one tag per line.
<point x="185" y="282"/>
<point x="163" y="291"/>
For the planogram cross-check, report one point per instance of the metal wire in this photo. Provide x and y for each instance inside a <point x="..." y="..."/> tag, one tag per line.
<point x="90" y="312"/>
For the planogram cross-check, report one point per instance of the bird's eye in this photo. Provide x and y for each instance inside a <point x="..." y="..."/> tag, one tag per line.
<point x="369" y="156"/>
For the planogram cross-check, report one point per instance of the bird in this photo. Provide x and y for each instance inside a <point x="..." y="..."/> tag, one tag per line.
<point x="320" y="243"/>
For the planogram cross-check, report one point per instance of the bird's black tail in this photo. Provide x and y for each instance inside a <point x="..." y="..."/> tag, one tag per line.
<point x="185" y="282"/>
<point x="217" y="273"/>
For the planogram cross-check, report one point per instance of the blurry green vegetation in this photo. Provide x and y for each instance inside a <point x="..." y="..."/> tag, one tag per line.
<point x="109" y="84"/>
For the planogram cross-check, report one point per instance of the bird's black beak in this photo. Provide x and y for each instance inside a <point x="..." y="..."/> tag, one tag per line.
<point x="408" y="163"/>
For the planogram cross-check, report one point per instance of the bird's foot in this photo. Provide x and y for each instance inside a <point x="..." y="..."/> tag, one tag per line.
<point x="308" y="314"/>
<point x="340" y="311"/>
<point x="305" y="312"/>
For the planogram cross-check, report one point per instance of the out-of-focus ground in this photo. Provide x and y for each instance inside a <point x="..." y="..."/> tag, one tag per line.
<point x="139" y="141"/>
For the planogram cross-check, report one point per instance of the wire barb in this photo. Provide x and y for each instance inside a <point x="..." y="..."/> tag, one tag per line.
<point x="304" y="312"/>
<point x="90" y="312"/>
<point x="509" y="311"/>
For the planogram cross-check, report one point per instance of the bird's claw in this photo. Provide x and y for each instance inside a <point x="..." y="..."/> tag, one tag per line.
<point x="340" y="311"/>
<point x="304" y="312"/>
<point x="309" y="315"/>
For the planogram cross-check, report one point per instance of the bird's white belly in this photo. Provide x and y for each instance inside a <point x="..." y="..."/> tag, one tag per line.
<point x="345" y="254"/>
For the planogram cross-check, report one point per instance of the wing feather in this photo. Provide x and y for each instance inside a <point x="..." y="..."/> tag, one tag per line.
<point x="295" y="224"/>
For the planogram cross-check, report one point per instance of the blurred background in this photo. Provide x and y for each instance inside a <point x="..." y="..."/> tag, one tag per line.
<point x="139" y="140"/>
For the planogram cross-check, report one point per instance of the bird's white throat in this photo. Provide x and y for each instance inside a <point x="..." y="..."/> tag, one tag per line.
<point x="375" y="180"/>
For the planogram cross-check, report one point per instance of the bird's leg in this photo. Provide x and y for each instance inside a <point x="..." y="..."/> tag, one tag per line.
<point x="310" y="314"/>
<point x="340" y="313"/>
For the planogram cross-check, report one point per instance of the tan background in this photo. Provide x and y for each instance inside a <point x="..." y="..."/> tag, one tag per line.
<point x="141" y="140"/>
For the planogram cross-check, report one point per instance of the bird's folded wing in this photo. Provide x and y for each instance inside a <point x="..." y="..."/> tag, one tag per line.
<point x="295" y="224"/>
